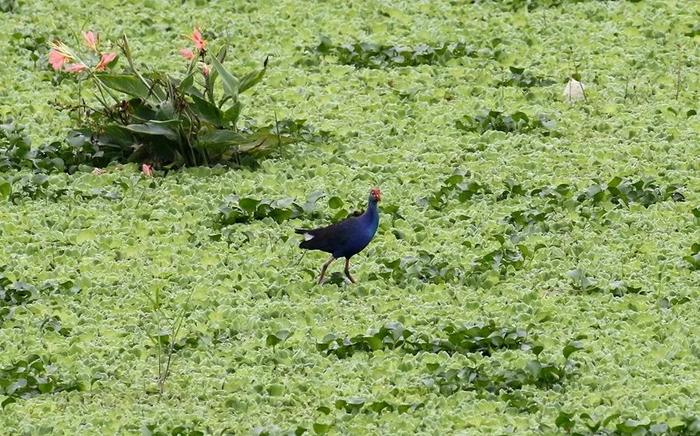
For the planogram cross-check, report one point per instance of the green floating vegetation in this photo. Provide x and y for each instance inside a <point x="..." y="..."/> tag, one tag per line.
<point x="481" y="338"/>
<point x="32" y="376"/>
<point x="620" y="191"/>
<point x="189" y="429"/>
<point x="502" y="260"/>
<point x="624" y="191"/>
<point x="356" y="405"/>
<point x="694" y="258"/>
<point x="477" y="378"/>
<point x="372" y="55"/>
<point x="535" y="373"/>
<point x="235" y="209"/>
<point x="16" y="151"/>
<point x="19" y="293"/>
<point x="616" y="424"/>
<point x="14" y="294"/>
<point x="423" y="266"/>
<point x="32" y="186"/>
<point x="521" y="78"/>
<point x="517" y="122"/>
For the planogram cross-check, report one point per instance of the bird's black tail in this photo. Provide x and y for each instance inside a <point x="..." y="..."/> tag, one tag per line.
<point x="300" y="231"/>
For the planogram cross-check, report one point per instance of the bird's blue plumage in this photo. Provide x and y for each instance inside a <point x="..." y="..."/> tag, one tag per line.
<point x="346" y="238"/>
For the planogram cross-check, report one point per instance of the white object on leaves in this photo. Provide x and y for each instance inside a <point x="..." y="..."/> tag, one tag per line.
<point x="574" y="91"/>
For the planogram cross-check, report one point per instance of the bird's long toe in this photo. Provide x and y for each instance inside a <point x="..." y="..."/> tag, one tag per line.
<point x="350" y="278"/>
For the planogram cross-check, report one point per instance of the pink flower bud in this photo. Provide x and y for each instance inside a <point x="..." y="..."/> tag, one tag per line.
<point x="105" y="60"/>
<point x="91" y="40"/>
<point x="76" y="68"/>
<point x="57" y="59"/>
<point x="199" y="42"/>
<point x="187" y="53"/>
<point x="147" y="170"/>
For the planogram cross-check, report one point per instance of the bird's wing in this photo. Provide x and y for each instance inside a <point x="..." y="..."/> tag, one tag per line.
<point x="331" y="237"/>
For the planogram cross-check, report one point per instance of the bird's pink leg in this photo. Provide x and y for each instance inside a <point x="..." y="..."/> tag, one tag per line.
<point x="323" y="270"/>
<point x="347" y="270"/>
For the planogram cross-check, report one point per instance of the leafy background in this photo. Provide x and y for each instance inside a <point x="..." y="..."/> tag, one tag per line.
<point x="83" y="254"/>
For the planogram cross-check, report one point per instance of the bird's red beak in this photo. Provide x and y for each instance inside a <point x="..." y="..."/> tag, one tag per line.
<point x="376" y="194"/>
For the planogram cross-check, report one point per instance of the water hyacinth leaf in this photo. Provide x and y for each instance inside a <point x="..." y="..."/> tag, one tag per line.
<point x="322" y="428"/>
<point x="280" y="336"/>
<point x="5" y="189"/>
<point x="564" y="421"/>
<point x="248" y="204"/>
<point x="571" y="348"/>
<point x="40" y="179"/>
<point x="310" y="204"/>
<point x="335" y="203"/>
<point x="126" y="83"/>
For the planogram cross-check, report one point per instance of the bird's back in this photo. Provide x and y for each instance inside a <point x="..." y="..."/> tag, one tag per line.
<point x="343" y="239"/>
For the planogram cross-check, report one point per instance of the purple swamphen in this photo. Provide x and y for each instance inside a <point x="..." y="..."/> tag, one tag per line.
<point x="346" y="238"/>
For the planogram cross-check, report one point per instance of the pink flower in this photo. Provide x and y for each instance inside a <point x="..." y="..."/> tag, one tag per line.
<point x="105" y="60"/>
<point x="147" y="170"/>
<point x="57" y="59"/>
<point x="205" y="69"/>
<point x="199" y="42"/>
<point x="91" y="40"/>
<point x="76" y="68"/>
<point x="187" y="53"/>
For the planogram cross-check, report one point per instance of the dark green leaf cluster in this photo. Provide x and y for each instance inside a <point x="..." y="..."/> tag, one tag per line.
<point x="36" y="185"/>
<point x="524" y="79"/>
<point x="371" y="55"/>
<point x="535" y="373"/>
<point x="14" y="294"/>
<point x="517" y="122"/>
<point x="583" y="282"/>
<point x="502" y="260"/>
<point x="235" y="209"/>
<point x="481" y="338"/>
<point x="514" y="5"/>
<point x="460" y="184"/>
<point x="616" y="425"/>
<point x="8" y="5"/>
<point x="356" y="405"/>
<point x="530" y="220"/>
<point x="195" y="340"/>
<point x="278" y="337"/>
<point x="18" y="293"/>
<point x="423" y="266"/>
<point x="694" y="258"/>
<point x="54" y="324"/>
<point x="16" y="151"/>
<point x="30" y="377"/>
<point x="190" y="429"/>
<point x="24" y="185"/>
<point x="476" y="378"/>
<point x="622" y="191"/>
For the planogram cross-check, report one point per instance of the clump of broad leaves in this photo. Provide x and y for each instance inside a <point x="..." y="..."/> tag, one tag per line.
<point x="162" y="120"/>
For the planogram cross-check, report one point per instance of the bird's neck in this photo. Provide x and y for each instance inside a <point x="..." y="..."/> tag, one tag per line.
<point x="372" y="214"/>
